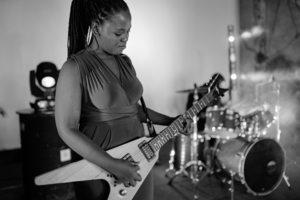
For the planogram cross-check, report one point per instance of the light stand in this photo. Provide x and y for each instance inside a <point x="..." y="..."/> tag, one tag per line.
<point x="232" y="62"/>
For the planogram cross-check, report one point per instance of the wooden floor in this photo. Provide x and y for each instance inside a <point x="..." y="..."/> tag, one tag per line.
<point x="166" y="186"/>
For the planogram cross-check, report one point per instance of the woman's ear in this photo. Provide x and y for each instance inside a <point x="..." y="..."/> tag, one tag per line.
<point x="95" y="26"/>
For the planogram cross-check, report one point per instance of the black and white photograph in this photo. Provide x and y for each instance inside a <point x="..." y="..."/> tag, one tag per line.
<point x="149" y="100"/>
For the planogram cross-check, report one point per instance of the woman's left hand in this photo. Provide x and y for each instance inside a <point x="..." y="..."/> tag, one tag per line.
<point x="187" y="126"/>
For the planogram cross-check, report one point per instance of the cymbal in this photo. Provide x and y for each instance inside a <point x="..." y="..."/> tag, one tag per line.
<point x="190" y="91"/>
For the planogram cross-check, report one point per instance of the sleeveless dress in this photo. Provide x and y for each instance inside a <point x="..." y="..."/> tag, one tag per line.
<point x="108" y="115"/>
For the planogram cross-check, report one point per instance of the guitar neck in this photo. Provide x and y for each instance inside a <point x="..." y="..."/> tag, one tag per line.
<point x="173" y="129"/>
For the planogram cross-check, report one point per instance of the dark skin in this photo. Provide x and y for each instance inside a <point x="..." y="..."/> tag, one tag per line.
<point x="109" y="39"/>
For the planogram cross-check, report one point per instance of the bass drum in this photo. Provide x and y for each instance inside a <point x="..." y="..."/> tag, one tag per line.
<point x="259" y="165"/>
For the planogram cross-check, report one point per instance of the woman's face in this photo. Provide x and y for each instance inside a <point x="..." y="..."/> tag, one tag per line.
<point x="114" y="33"/>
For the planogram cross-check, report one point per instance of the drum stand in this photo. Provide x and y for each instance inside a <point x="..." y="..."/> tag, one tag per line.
<point x="231" y="189"/>
<point x="193" y="168"/>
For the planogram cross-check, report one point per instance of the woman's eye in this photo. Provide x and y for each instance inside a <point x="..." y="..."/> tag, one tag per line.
<point x="118" y="34"/>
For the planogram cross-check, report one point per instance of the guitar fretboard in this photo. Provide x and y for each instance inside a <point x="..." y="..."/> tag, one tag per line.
<point x="173" y="129"/>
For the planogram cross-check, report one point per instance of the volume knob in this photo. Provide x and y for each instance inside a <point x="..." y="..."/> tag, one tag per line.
<point x="123" y="192"/>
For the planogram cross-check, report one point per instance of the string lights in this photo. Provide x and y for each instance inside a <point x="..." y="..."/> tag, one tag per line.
<point x="232" y="61"/>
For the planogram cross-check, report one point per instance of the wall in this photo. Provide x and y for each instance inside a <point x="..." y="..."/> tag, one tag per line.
<point x="173" y="44"/>
<point x="32" y="31"/>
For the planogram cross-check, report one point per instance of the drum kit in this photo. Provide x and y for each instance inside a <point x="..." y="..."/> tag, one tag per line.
<point x="235" y="146"/>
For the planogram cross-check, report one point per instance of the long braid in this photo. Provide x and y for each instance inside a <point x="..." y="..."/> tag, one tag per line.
<point x="83" y="12"/>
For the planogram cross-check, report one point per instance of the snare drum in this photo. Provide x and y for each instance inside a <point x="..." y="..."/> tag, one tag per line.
<point x="259" y="165"/>
<point x="221" y="122"/>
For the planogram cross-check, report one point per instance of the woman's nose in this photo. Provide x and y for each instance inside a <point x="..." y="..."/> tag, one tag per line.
<point x="125" y="38"/>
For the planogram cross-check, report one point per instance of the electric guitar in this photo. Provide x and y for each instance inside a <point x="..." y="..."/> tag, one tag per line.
<point x="143" y="150"/>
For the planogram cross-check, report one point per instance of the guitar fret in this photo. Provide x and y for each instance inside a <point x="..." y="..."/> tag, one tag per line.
<point x="174" y="128"/>
<point x="202" y="104"/>
<point x="177" y="126"/>
<point x="159" y="142"/>
<point x="170" y="131"/>
<point x="195" y="108"/>
<point x="167" y="134"/>
<point x="198" y="105"/>
<point x="206" y="99"/>
<point x="191" y="116"/>
<point x="154" y="145"/>
<point x="162" y="139"/>
<point x="181" y="120"/>
<point x="192" y="112"/>
<point x="165" y="140"/>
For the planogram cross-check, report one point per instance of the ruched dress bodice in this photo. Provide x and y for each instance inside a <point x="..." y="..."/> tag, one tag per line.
<point x="109" y="104"/>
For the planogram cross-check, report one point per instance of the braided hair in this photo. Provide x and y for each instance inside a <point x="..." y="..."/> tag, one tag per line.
<point x="83" y="12"/>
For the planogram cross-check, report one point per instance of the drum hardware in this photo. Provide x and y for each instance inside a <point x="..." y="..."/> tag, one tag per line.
<point x="231" y="182"/>
<point x="194" y="169"/>
<point x="195" y="166"/>
<point x="202" y="89"/>
<point x="276" y="89"/>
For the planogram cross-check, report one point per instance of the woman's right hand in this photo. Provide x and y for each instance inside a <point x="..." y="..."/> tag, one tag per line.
<point x="126" y="172"/>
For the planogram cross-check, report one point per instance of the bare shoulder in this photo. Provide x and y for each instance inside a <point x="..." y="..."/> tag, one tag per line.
<point x="70" y="66"/>
<point x="69" y="70"/>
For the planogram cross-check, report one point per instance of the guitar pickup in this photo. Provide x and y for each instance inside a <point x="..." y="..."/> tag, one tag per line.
<point x="146" y="150"/>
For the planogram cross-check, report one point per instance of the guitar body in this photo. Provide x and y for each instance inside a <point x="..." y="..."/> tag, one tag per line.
<point x="84" y="170"/>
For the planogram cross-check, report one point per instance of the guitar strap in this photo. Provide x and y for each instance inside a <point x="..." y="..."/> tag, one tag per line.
<point x="150" y="126"/>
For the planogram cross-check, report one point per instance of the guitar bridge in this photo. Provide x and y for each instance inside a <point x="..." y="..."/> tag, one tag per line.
<point x="146" y="150"/>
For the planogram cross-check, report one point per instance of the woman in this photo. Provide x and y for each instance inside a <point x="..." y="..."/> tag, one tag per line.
<point x="97" y="95"/>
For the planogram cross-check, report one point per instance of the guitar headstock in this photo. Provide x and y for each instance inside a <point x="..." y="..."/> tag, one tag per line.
<point x="214" y="86"/>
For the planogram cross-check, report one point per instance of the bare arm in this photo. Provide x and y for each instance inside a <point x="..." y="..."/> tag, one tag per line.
<point x="157" y="118"/>
<point x="67" y="115"/>
<point x="164" y="120"/>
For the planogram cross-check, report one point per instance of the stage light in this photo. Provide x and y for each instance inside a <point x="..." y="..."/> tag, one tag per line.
<point x="232" y="57"/>
<point x="48" y="82"/>
<point x="43" y="86"/>
<point x="233" y="76"/>
<point x="231" y="38"/>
